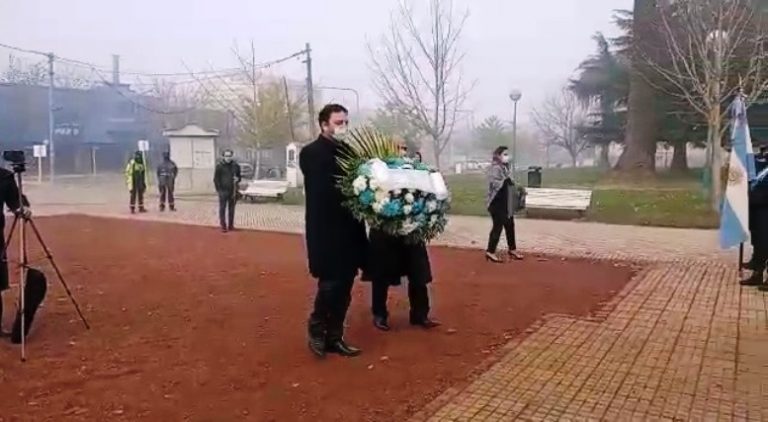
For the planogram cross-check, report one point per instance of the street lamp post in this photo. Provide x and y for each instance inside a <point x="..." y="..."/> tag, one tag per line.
<point x="515" y="96"/>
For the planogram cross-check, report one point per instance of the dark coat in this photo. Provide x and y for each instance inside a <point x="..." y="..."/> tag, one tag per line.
<point x="391" y="257"/>
<point x="336" y="241"/>
<point x="226" y="177"/>
<point x="501" y="204"/>
<point x="166" y="173"/>
<point x="9" y="195"/>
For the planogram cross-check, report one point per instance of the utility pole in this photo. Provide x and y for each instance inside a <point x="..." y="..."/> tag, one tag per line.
<point x="254" y="111"/>
<point x="310" y="87"/>
<point x="52" y="152"/>
<point x="288" y="109"/>
<point x="115" y="70"/>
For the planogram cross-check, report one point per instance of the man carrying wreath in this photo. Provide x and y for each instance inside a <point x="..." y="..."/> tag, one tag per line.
<point x="336" y="241"/>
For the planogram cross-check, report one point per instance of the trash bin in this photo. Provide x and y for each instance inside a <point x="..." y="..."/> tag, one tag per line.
<point x="534" y="177"/>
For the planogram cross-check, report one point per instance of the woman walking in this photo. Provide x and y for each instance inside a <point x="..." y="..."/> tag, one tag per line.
<point x="501" y="205"/>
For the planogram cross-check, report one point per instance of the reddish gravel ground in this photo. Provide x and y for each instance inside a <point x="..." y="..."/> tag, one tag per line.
<point x="191" y="324"/>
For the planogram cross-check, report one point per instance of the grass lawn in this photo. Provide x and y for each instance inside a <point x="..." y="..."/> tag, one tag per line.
<point x="668" y="200"/>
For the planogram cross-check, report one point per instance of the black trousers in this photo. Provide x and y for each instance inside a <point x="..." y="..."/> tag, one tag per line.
<point x="331" y="304"/>
<point x="137" y="194"/>
<point x="418" y="297"/>
<point x="227" y="210"/>
<point x="166" y="194"/>
<point x="4" y="276"/>
<point x="759" y="234"/>
<point x="507" y="223"/>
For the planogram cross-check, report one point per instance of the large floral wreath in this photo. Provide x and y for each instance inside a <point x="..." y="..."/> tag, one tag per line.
<point x="398" y="195"/>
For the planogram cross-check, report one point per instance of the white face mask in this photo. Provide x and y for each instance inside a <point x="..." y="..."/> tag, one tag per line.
<point x="505" y="158"/>
<point x="340" y="133"/>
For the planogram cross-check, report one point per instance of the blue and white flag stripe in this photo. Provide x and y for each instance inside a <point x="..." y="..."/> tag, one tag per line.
<point x="734" y="217"/>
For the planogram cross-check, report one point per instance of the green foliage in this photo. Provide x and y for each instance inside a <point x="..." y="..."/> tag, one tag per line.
<point x="669" y="200"/>
<point x="273" y="119"/>
<point x="492" y="133"/>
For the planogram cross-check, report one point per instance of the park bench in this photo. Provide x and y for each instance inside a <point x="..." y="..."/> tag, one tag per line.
<point x="577" y="200"/>
<point x="264" y="189"/>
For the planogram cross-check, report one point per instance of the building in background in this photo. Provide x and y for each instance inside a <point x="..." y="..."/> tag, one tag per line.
<point x="95" y="129"/>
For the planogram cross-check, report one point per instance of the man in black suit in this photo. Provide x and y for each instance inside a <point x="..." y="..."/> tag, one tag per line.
<point x="336" y="241"/>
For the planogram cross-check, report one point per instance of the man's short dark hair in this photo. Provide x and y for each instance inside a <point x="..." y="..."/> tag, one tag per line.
<point x="325" y="114"/>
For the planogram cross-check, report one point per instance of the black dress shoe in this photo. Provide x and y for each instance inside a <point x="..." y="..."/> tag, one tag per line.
<point x="341" y="348"/>
<point x="317" y="346"/>
<point x="754" y="280"/>
<point x="425" y="323"/>
<point x="381" y="323"/>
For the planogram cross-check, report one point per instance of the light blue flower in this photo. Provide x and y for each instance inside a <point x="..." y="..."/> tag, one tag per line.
<point x="364" y="170"/>
<point x="393" y="208"/>
<point x="367" y="197"/>
<point x="418" y="206"/>
<point x="394" y="163"/>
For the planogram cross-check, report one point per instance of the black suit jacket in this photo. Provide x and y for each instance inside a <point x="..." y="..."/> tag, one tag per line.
<point x="336" y="241"/>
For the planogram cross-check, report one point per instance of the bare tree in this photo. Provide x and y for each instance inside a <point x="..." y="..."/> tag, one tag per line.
<point x="20" y="73"/>
<point x="263" y="109"/>
<point x="559" y="119"/>
<point x="712" y="49"/>
<point x="417" y="73"/>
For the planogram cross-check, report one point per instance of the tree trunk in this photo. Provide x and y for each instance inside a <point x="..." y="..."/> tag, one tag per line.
<point x="642" y="122"/>
<point x="436" y="149"/>
<point x="715" y="159"/>
<point x="604" y="160"/>
<point x="679" y="157"/>
<point x="574" y="159"/>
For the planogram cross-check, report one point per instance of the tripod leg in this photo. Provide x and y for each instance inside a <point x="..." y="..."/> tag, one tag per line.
<point x="58" y="272"/>
<point x="10" y="235"/>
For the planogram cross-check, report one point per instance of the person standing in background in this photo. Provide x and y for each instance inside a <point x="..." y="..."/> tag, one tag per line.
<point x="136" y="179"/>
<point x="166" y="181"/>
<point x="226" y="179"/>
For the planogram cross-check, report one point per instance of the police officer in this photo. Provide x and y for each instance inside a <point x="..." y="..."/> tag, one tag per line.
<point x="166" y="181"/>
<point x="136" y="179"/>
<point x="758" y="221"/>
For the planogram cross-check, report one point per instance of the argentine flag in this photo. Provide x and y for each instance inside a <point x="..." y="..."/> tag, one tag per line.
<point x="734" y="216"/>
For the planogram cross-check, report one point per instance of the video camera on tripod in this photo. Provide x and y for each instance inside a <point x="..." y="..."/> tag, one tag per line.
<point x="32" y="282"/>
<point x="17" y="160"/>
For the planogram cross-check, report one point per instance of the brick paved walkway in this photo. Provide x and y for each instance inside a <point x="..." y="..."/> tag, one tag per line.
<point x="681" y="342"/>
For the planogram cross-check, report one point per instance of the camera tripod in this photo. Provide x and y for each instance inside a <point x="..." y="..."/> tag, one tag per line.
<point x="22" y="222"/>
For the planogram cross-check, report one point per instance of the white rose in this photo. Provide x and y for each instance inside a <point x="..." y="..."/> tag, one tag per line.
<point x="433" y="219"/>
<point x="377" y="206"/>
<point x="373" y="183"/>
<point x="431" y="206"/>
<point x="381" y="195"/>
<point x="397" y="192"/>
<point x="407" y="209"/>
<point x="359" y="184"/>
<point x="409" y="198"/>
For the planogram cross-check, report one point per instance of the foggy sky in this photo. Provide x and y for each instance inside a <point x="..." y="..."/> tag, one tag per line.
<point x="533" y="45"/>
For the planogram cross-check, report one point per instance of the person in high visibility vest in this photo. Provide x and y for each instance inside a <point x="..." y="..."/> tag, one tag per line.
<point x="136" y="179"/>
